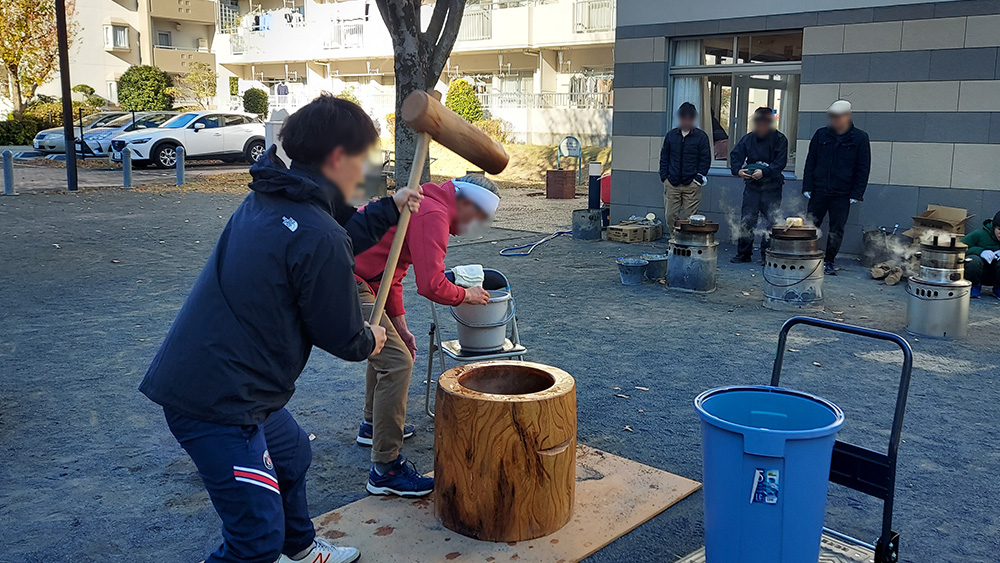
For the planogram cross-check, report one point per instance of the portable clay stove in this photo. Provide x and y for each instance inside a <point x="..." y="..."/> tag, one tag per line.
<point x="793" y="269"/>
<point x="938" y="305"/>
<point x="694" y="256"/>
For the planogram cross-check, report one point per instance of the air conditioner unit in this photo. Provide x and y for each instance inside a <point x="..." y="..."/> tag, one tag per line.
<point x="203" y="44"/>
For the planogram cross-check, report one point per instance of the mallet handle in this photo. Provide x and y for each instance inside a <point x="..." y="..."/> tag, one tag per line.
<point x="416" y="170"/>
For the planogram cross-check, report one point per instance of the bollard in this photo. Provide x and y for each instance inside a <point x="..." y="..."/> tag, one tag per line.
<point x="180" y="165"/>
<point x="8" y="173"/>
<point x="594" y="189"/>
<point x="126" y="168"/>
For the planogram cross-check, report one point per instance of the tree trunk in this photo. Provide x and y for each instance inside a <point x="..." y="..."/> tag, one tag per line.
<point x="409" y="78"/>
<point x="505" y="450"/>
<point x="15" y="89"/>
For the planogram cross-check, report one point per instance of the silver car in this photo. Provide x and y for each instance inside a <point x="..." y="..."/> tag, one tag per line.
<point x="53" y="141"/>
<point x="97" y="141"/>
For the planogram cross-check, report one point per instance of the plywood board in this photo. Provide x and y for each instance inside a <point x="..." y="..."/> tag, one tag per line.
<point x="832" y="550"/>
<point x="614" y="495"/>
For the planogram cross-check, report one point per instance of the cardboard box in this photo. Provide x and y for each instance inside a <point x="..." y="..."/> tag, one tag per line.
<point x="939" y="218"/>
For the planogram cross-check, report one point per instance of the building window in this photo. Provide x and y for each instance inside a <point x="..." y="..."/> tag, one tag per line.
<point x="115" y="37"/>
<point x="728" y="77"/>
<point x="163" y="39"/>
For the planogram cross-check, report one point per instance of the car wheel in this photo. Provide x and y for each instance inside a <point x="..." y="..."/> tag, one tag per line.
<point x="165" y="156"/>
<point x="254" y="151"/>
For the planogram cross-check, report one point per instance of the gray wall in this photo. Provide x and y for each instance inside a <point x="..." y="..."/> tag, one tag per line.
<point x="924" y="80"/>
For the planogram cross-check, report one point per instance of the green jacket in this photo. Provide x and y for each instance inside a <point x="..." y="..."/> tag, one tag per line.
<point x="981" y="239"/>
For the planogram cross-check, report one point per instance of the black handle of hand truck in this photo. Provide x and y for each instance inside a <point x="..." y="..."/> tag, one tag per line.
<point x="889" y="540"/>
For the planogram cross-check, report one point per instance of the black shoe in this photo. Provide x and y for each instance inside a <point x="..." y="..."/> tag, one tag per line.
<point x="740" y="259"/>
<point x="829" y="269"/>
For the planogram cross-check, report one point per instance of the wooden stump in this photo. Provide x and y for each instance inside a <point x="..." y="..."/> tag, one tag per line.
<point x="505" y="450"/>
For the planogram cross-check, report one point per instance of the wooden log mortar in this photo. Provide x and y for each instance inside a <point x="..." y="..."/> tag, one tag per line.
<point x="505" y="450"/>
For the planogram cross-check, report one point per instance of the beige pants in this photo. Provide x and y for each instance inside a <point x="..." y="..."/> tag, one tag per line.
<point x="680" y="202"/>
<point x="387" y="384"/>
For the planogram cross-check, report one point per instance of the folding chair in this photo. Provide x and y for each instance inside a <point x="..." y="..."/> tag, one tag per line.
<point x="512" y="348"/>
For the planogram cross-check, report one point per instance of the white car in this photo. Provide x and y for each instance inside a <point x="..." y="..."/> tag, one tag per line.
<point x="53" y="141"/>
<point x="97" y="141"/>
<point x="225" y="135"/>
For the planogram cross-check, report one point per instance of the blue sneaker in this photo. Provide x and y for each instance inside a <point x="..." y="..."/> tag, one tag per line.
<point x="403" y="480"/>
<point x="366" y="431"/>
<point x="976" y="292"/>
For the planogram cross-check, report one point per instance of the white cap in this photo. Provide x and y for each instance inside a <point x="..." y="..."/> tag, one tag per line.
<point x="484" y="199"/>
<point x="840" y="107"/>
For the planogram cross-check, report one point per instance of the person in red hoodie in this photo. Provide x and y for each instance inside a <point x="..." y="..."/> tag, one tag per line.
<point x="454" y="207"/>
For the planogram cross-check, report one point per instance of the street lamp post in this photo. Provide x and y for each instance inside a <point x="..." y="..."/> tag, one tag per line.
<point x="67" y="101"/>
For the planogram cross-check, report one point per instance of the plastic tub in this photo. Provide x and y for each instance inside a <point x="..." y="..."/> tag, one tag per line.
<point x="766" y="454"/>
<point x="483" y="328"/>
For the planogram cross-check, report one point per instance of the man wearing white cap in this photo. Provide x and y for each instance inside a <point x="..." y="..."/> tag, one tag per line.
<point x="454" y="207"/>
<point x="836" y="175"/>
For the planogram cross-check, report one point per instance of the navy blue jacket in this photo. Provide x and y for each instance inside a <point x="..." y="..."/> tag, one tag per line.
<point x="684" y="157"/>
<point x="838" y="166"/>
<point x="279" y="281"/>
<point x="771" y="153"/>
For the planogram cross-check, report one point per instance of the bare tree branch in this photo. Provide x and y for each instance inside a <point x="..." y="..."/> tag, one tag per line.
<point x="442" y="50"/>
<point x="437" y="20"/>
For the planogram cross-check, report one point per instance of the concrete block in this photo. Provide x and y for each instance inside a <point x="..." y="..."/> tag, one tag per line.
<point x="792" y="21"/>
<point x="952" y="197"/>
<point x="646" y="190"/>
<point x="823" y="40"/>
<point x="896" y="67"/>
<point x="983" y="31"/>
<point x="658" y="99"/>
<point x="620" y="182"/>
<point x="817" y="97"/>
<point x="869" y="96"/>
<point x="633" y="99"/>
<point x="634" y="50"/>
<point x="979" y="95"/>
<point x="885" y="205"/>
<point x="743" y="25"/>
<point x="872" y="37"/>
<point x="976" y="166"/>
<point x="904" y="12"/>
<point x="896" y="126"/>
<point x="809" y="122"/>
<point x="963" y="64"/>
<point x="881" y="158"/>
<point x="860" y="15"/>
<point x="957" y="127"/>
<point x="921" y="164"/>
<point x="927" y="96"/>
<point x="655" y="144"/>
<point x="623" y="75"/>
<point x="941" y="33"/>
<point x="649" y="74"/>
<point x="966" y="8"/>
<point x="660" y="50"/>
<point x="995" y="128"/>
<point x="801" y="151"/>
<point x="632" y="153"/>
<point x="853" y="67"/>
<point x="989" y="206"/>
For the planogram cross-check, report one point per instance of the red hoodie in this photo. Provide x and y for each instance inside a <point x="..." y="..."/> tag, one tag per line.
<point x="425" y="246"/>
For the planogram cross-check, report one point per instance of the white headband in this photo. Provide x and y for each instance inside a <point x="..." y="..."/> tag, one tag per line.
<point x="481" y="197"/>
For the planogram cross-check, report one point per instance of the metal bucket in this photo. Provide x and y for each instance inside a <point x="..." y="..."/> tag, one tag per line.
<point x="936" y="310"/>
<point x="793" y="283"/>
<point x="631" y="270"/>
<point x="587" y="224"/>
<point x="657" y="268"/>
<point x="483" y="328"/>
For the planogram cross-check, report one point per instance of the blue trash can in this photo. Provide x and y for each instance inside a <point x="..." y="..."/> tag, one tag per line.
<point x="767" y="457"/>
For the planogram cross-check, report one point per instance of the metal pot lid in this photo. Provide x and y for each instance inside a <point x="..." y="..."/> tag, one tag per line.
<point x="689" y="226"/>
<point x="794" y="232"/>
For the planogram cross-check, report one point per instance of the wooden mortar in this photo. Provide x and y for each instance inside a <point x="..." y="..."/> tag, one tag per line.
<point x="505" y="450"/>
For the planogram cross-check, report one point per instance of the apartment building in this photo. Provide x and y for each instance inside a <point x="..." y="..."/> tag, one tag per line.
<point x="923" y="78"/>
<point x="116" y="34"/>
<point x="544" y="65"/>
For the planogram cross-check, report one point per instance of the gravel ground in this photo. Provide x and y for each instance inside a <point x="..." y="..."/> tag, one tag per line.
<point x="91" y="282"/>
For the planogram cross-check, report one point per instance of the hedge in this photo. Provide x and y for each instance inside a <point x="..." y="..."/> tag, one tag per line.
<point x="145" y="88"/>
<point x="19" y="129"/>
<point x="255" y="101"/>
<point x="463" y="101"/>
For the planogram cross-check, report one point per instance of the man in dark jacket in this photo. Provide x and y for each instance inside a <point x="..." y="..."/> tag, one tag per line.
<point x="279" y="282"/>
<point x="983" y="255"/>
<point x="759" y="158"/>
<point x="836" y="175"/>
<point x="684" y="162"/>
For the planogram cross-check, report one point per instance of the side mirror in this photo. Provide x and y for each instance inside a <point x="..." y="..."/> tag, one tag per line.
<point x="199" y="126"/>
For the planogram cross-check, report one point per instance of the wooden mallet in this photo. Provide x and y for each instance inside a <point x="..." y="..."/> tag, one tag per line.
<point x="432" y="120"/>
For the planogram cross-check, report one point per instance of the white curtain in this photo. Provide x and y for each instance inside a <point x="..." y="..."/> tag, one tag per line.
<point x="689" y="88"/>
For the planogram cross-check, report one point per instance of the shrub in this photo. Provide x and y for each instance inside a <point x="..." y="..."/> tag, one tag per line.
<point x="463" y="101"/>
<point x="49" y="114"/>
<point x="19" y="129"/>
<point x="499" y="130"/>
<point x="255" y="101"/>
<point x="95" y="101"/>
<point x="390" y="124"/>
<point x="349" y="95"/>
<point x="145" y="88"/>
<point x="84" y="89"/>
<point x="234" y="85"/>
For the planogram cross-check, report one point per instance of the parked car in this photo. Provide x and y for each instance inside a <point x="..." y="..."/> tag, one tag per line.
<point x="97" y="141"/>
<point x="53" y="141"/>
<point x="204" y="135"/>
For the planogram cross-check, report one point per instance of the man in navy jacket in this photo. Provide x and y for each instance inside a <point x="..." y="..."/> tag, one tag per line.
<point x="836" y="175"/>
<point x="759" y="158"/>
<point x="685" y="158"/>
<point x="279" y="282"/>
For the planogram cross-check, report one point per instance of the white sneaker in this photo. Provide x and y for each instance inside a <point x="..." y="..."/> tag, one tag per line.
<point x="323" y="552"/>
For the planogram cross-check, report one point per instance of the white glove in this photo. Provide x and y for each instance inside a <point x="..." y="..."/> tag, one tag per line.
<point x="807" y="194"/>
<point x="989" y="256"/>
<point x="853" y="201"/>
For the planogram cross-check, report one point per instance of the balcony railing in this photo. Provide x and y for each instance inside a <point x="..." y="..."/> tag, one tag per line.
<point x="549" y="100"/>
<point x="477" y="23"/>
<point x="344" y="35"/>
<point x="593" y="15"/>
